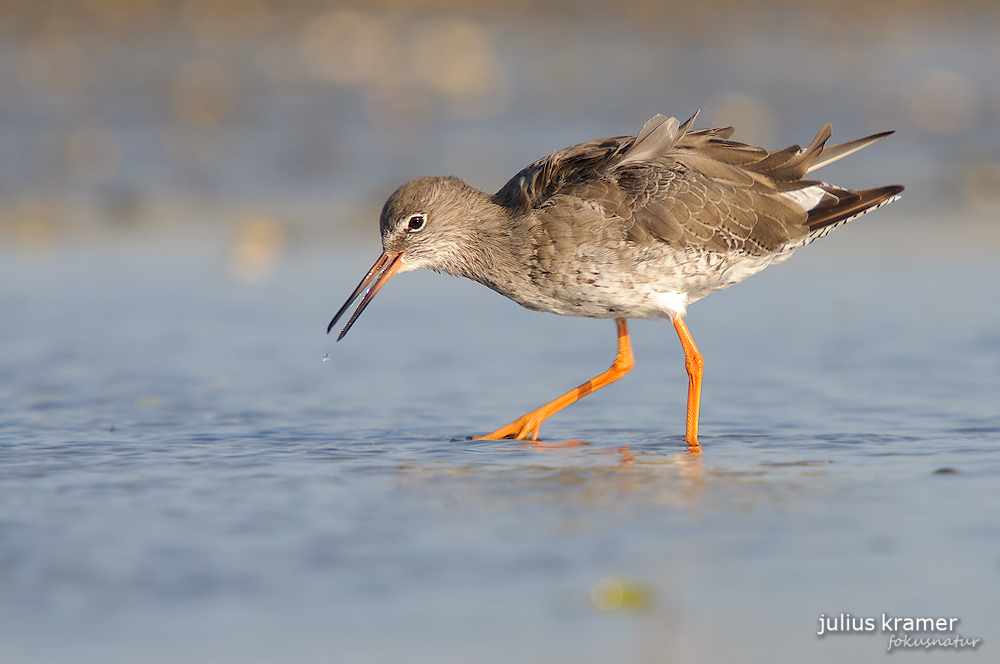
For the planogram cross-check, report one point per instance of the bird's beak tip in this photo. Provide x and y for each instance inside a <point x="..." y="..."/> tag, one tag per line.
<point x="384" y="267"/>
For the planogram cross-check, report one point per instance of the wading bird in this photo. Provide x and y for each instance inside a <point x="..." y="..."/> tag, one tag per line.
<point x="626" y="227"/>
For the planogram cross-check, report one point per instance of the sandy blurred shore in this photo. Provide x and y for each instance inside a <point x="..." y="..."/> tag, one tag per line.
<point x="150" y="118"/>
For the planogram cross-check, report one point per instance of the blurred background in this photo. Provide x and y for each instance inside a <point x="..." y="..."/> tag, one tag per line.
<point x="280" y="123"/>
<point x="191" y="470"/>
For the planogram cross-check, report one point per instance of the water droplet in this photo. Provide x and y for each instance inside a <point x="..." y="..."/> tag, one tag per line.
<point x="326" y="357"/>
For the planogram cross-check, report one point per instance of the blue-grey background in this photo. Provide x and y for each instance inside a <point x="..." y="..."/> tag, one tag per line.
<point x="189" y="190"/>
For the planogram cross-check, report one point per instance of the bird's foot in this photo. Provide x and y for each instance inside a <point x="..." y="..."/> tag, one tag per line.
<point x="524" y="428"/>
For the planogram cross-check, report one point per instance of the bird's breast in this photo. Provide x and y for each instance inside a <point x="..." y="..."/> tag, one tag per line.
<point x="622" y="280"/>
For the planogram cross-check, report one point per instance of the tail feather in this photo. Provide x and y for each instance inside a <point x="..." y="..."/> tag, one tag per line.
<point x="835" y="152"/>
<point x="849" y="205"/>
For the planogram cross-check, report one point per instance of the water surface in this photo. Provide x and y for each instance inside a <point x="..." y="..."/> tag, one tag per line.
<point x="183" y="478"/>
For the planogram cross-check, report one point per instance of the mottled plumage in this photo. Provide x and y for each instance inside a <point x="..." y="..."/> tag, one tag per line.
<point x="626" y="227"/>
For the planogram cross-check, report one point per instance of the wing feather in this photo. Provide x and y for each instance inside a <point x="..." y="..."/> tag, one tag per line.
<point x="691" y="189"/>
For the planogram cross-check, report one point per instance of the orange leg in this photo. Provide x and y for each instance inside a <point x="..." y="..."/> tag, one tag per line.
<point x="695" y="366"/>
<point x="526" y="428"/>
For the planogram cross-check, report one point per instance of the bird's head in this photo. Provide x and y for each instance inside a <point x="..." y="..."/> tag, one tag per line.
<point x="427" y="222"/>
<point x="424" y="224"/>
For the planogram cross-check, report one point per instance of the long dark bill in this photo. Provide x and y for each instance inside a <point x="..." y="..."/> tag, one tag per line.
<point x="386" y="266"/>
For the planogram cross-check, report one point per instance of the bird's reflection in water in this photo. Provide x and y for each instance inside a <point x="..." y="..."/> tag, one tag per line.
<point x="580" y="472"/>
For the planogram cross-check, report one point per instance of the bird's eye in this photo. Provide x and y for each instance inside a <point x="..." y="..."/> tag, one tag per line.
<point x="415" y="222"/>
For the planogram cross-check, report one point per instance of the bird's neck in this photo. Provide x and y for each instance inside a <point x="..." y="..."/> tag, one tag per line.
<point x="483" y="248"/>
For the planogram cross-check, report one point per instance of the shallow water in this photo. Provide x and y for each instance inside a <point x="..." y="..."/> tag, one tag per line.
<point x="183" y="478"/>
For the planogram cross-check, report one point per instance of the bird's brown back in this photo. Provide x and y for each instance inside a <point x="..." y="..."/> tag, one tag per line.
<point x="691" y="189"/>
